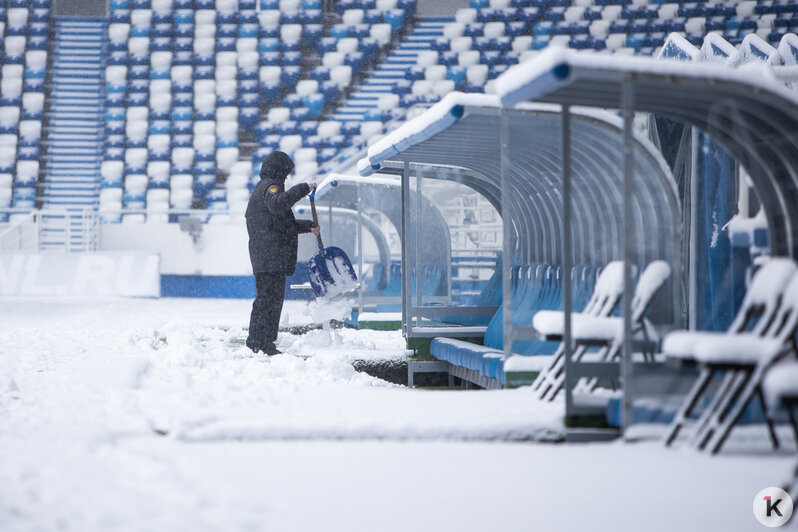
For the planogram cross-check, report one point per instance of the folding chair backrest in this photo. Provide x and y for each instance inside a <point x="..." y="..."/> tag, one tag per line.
<point x="607" y="290"/>
<point x="762" y="298"/>
<point x="650" y="281"/>
<point x="785" y="324"/>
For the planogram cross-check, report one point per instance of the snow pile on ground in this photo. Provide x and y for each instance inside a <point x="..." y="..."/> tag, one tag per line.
<point x="152" y="415"/>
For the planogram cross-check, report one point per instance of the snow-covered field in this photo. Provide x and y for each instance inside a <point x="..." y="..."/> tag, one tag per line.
<point x="151" y="415"/>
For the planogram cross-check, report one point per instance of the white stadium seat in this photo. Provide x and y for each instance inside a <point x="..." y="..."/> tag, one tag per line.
<point x="453" y="29"/>
<point x="289" y="143"/>
<point x="347" y="45"/>
<point x="269" y="74"/>
<point x="493" y="29"/>
<point x="246" y="44"/>
<point x="427" y="58"/>
<point x="225" y="157"/>
<point x="381" y="32"/>
<point x="352" y="17"/>
<point x="466" y="15"/>
<point x="227" y="114"/>
<point x="435" y="72"/>
<point x="269" y="17"/>
<point x="522" y="43"/>
<point x="460" y="44"/>
<point x="342" y="75"/>
<point x="329" y="128"/>
<point x="332" y="59"/>
<point x="140" y="17"/>
<point x="477" y="73"/>
<point x="307" y="87"/>
<point x="204" y="17"/>
<point x="276" y="115"/>
<point x="118" y="32"/>
<point x="468" y="58"/>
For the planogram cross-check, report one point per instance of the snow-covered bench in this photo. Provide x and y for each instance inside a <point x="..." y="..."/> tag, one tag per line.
<point x="595" y="327"/>
<point x="760" y="334"/>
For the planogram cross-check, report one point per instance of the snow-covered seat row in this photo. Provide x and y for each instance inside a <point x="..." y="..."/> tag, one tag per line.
<point x="24" y="33"/>
<point x="762" y="333"/>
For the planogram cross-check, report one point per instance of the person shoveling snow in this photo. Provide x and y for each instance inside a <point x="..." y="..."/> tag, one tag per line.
<point x="273" y="241"/>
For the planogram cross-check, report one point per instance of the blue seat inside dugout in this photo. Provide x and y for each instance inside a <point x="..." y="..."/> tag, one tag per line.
<point x="534" y="288"/>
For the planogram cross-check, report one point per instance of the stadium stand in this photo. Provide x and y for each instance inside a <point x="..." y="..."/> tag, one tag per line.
<point x="24" y="38"/>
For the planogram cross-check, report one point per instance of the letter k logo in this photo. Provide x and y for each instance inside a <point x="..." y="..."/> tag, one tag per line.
<point x="773" y="507"/>
<point x="777" y="508"/>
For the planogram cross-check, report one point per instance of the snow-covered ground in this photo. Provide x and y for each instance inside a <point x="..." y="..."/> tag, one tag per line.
<point x="151" y="415"/>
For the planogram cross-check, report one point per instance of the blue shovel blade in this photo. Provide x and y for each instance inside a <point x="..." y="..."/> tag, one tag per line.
<point x="331" y="272"/>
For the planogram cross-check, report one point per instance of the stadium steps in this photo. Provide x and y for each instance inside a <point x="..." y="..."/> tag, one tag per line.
<point x="392" y="69"/>
<point x="74" y="143"/>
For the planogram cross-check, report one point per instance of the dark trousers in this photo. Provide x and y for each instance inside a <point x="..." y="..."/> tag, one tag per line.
<point x="266" y="309"/>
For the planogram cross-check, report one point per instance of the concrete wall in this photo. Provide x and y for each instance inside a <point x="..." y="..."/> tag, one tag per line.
<point x="439" y="8"/>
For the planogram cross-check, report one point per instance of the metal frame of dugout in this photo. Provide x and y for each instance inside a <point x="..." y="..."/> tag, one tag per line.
<point x="353" y="196"/>
<point x="755" y="119"/>
<point x="533" y="163"/>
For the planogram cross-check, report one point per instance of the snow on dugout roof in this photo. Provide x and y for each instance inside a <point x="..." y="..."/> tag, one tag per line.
<point x="754" y="117"/>
<point x="459" y="139"/>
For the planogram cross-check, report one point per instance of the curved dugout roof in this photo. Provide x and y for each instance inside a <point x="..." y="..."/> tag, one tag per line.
<point x="384" y="194"/>
<point x="752" y="116"/>
<point x="459" y="138"/>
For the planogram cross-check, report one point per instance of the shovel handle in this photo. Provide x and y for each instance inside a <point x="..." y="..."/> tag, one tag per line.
<point x="315" y="218"/>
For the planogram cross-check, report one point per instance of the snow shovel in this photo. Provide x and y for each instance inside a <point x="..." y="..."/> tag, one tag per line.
<point x="330" y="270"/>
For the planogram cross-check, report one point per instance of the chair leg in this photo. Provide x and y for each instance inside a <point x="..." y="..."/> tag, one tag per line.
<point x="793" y="421"/>
<point x="729" y="381"/>
<point x="559" y="383"/>
<point x="689" y="403"/>
<point x="736" y="413"/>
<point x="547" y="375"/>
<point x="720" y="411"/>
<point x="774" y="440"/>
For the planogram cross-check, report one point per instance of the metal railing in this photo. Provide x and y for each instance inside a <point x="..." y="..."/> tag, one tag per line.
<point x="48" y="229"/>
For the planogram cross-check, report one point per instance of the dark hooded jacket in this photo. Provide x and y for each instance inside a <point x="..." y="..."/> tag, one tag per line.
<point x="271" y="224"/>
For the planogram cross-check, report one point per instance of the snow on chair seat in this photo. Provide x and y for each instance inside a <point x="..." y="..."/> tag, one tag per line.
<point x="764" y="328"/>
<point x="756" y="310"/>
